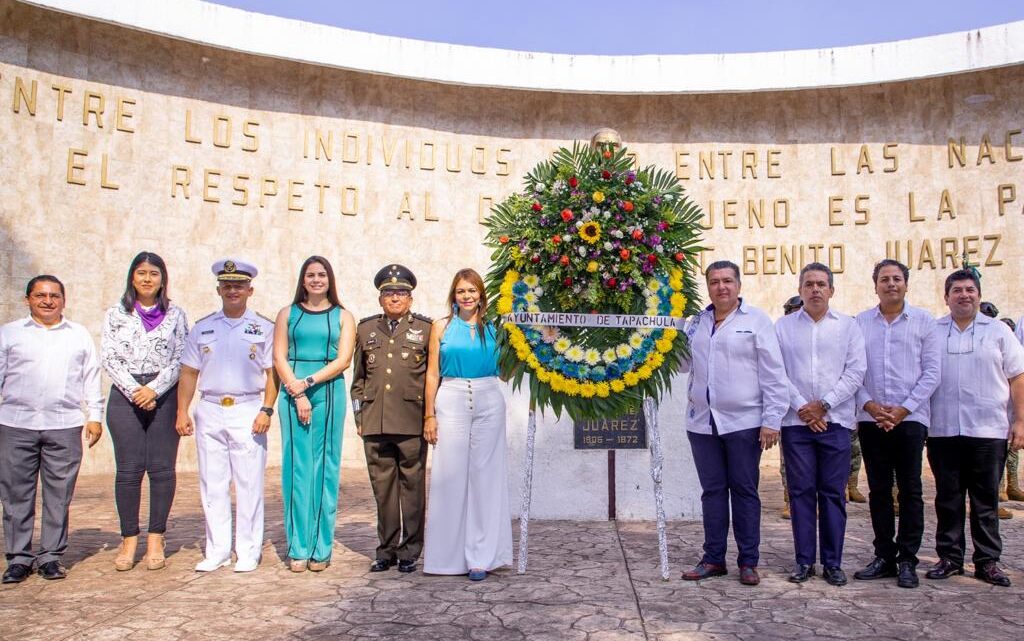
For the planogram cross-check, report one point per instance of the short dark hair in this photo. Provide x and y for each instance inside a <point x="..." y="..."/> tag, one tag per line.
<point x="989" y="309"/>
<point x="723" y="264"/>
<point x="817" y="267"/>
<point x="794" y="303"/>
<point x="129" y="296"/>
<point x="1009" y="322"/>
<point x="889" y="262"/>
<point x="962" y="274"/>
<point x="43" y="278"/>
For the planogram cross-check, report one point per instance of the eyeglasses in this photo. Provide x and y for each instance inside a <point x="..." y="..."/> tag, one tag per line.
<point x="401" y="293"/>
<point x="954" y="346"/>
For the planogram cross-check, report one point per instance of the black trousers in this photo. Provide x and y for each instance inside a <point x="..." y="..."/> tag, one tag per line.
<point x="896" y="453"/>
<point x="397" y="466"/>
<point x="144" y="443"/>
<point x="971" y="467"/>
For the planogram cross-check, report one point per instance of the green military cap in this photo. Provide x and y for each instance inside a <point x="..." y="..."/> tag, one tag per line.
<point x="395" y="277"/>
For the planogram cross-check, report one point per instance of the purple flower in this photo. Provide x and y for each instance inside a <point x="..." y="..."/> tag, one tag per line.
<point x="662" y="226"/>
<point x="616" y="244"/>
<point x="647" y="268"/>
<point x="554" y="258"/>
<point x="623" y="287"/>
<point x="654" y="240"/>
<point x="595" y="254"/>
<point x="618" y="218"/>
<point x="657" y="200"/>
<point x="631" y="174"/>
<point x="543" y="222"/>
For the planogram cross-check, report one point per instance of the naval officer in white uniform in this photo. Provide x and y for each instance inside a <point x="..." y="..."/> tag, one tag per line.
<point x="229" y="357"/>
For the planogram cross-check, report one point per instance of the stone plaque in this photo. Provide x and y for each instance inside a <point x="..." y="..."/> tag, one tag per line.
<point x="627" y="432"/>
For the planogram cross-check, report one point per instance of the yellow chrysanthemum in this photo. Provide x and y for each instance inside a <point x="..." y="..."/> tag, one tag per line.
<point x="670" y="334"/>
<point x="574" y="354"/>
<point x="590" y="232"/>
<point x="617" y="385"/>
<point x="653" y="285"/>
<point x="655" y="360"/>
<point x="663" y="346"/>
<point x="531" y="280"/>
<point x="562" y="344"/>
<point x="623" y="351"/>
<point x="543" y="375"/>
<point x="511" y="276"/>
<point x="652" y="303"/>
<point x="557" y="382"/>
<point x="506" y="289"/>
<point x="630" y="378"/>
<point x="636" y="340"/>
<point x="644" y="372"/>
<point x="572" y="388"/>
<point x="505" y="305"/>
<point x="587" y="390"/>
<point x="603" y="390"/>
<point x="592" y="266"/>
<point x="532" y="361"/>
<point x="509" y="326"/>
<point x="598" y="196"/>
<point x="675" y="283"/>
<point x="592" y="357"/>
<point x="533" y="309"/>
<point x="530" y="297"/>
<point x="608" y="356"/>
<point x="678" y="300"/>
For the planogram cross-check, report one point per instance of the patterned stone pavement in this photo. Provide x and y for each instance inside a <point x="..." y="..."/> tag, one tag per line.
<point x="594" y="581"/>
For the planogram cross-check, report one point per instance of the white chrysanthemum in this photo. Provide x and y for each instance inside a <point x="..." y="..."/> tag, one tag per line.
<point x="608" y="356"/>
<point x="593" y="357"/>
<point x="562" y="344"/>
<point x="533" y="309"/>
<point x="646" y="331"/>
<point x="582" y="250"/>
<point x="530" y="297"/>
<point x="608" y="247"/>
<point x="652" y="302"/>
<point x="539" y="291"/>
<point x="531" y="280"/>
<point x="623" y="351"/>
<point x="574" y="354"/>
<point x="653" y="285"/>
<point x="636" y="340"/>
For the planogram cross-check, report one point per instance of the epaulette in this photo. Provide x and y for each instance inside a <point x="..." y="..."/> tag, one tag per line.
<point x="422" y="317"/>
<point x="263" y="317"/>
<point x="370" y="318"/>
<point x="205" y="317"/>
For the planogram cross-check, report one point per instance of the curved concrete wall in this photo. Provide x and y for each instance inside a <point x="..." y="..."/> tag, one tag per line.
<point x="116" y="139"/>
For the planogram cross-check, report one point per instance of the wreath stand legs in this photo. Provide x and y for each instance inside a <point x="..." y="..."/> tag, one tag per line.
<point x="657" y="461"/>
<point x="524" y="512"/>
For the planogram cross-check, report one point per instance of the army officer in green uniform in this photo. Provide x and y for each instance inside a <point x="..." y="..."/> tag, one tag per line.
<point x="387" y="398"/>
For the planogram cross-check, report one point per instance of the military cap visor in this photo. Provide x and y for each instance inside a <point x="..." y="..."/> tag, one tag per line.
<point x="233" y="270"/>
<point x="395" y="277"/>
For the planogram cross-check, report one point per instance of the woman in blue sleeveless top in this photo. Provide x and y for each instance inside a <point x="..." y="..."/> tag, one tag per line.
<point x="469" y="526"/>
<point x="313" y="342"/>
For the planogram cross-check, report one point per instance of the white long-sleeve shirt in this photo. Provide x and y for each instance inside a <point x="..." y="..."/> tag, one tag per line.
<point x="48" y="376"/>
<point x="973" y="396"/>
<point x="825" y="360"/>
<point x="904" y="360"/>
<point x="736" y="373"/>
<point x="127" y="349"/>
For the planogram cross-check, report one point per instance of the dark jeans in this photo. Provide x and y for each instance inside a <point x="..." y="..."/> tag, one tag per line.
<point x="888" y="454"/>
<point x="970" y="467"/>
<point x="145" y="442"/>
<point x="727" y="466"/>
<point x="818" y="466"/>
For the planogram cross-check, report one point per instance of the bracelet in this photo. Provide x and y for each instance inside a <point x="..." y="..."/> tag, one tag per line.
<point x="426" y="417"/>
<point x="298" y="396"/>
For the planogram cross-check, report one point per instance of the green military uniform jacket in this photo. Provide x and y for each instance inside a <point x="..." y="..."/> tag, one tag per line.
<point x="390" y="375"/>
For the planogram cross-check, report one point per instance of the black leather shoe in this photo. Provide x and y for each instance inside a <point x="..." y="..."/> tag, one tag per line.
<point x="991" y="573"/>
<point x="877" y="569"/>
<point x="382" y="565"/>
<point x="944" y="569"/>
<point x="834" y="576"/>
<point x="704" y="571"/>
<point x="406" y="566"/>
<point x="801" y="573"/>
<point x="906" y="575"/>
<point x="17" y="572"/>
<point x="53" y="570"/>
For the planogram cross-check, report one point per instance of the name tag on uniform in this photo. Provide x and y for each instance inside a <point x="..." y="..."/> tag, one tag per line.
<point x="414" y="335"/>
<point x="369" y="342"/>
<point x="205" y="332"/>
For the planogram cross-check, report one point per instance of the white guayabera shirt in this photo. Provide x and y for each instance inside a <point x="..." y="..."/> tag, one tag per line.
<point x="973" y="396"/>
<point x="736" y="372"/>
<point x="825" y="361"/>
<point x="48" y="375"/>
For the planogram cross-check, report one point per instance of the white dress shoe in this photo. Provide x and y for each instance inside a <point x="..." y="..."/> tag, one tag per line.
<point x="246" y="565"/>
<point x="209" y="565"/>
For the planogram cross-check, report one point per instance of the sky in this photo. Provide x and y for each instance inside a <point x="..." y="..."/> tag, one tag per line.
<point x="646" y="26"/>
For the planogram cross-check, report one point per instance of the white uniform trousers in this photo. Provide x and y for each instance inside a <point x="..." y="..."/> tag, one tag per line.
<point x="468" y="520"/>
<point x="229" y="451"/>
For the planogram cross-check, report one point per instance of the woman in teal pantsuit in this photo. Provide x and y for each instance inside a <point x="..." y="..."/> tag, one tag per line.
<point x="313" y="342"/>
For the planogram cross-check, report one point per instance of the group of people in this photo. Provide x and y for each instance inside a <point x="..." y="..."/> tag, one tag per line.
<point x="415" y="381"/>
<point x="895" y="374"/>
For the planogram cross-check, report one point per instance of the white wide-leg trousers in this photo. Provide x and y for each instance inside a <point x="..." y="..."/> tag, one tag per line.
<point x="229" y="452"/>
<point x="468" y="520"/>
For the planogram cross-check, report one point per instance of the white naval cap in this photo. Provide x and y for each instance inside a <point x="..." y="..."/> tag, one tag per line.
<point x="234" y="269"/>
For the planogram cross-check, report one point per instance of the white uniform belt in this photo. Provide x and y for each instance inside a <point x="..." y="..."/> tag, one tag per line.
<point x="227" y="400"/>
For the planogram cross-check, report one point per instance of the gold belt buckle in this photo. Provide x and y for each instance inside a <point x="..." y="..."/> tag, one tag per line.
<point x="227" y="401"/>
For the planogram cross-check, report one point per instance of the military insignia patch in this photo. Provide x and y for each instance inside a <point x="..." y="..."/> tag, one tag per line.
<point x="371" y="359"/>
<point x="253" y="329"/>
<point x="414" y="335"/>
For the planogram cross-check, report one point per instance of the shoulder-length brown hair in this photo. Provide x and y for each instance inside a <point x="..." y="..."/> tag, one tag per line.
<point x="332" y="291"/>
<point x="474" y="279"/>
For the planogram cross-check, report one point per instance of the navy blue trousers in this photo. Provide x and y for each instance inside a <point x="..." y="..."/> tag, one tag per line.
<point x="728" y="469"/>
<point x="817" y="468"/>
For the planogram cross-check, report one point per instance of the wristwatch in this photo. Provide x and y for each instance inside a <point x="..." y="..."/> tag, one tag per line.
<point x="825" y="405"/>
<point x="310" y="381"/>
<point x="269" y="411"/>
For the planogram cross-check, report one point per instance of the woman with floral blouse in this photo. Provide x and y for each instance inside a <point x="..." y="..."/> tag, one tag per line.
<point x="141" y="348"/>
